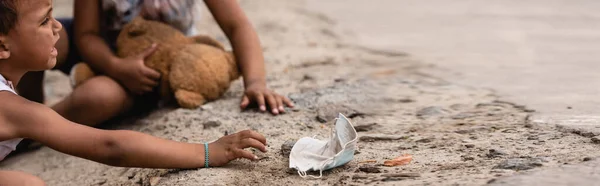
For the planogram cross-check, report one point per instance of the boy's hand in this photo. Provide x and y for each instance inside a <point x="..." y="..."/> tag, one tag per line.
<point x="231" y="147"/>
<point x="135" y="75"/>
<point x="258" y="93"/>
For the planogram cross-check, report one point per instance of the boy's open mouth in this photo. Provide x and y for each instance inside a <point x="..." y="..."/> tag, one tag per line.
<point x="53" y="52"/>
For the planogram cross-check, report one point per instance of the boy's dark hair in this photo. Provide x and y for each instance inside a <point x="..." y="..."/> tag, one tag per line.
<point x="8" y="16"/>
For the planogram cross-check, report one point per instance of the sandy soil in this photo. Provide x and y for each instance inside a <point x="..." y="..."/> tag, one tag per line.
<point x="456" y="134"/>
<point x="527" y="51"/>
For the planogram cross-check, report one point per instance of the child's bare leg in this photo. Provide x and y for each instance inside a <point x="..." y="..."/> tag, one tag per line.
<point x="95" y="101"/>
<point x="17" y="178"/>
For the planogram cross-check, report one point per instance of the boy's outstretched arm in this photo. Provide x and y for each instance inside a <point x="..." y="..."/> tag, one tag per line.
<point x="119" y="147"/>
<point x="248" y="52"/>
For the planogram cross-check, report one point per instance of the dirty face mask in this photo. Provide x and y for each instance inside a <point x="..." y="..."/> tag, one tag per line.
<point x="317" y="155"/>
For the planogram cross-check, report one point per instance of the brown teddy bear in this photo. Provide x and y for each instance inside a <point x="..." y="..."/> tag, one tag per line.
<point x="193" y="69"/>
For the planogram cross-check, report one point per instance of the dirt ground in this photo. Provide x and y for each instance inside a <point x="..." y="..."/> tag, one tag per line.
<point x="457" y="135"/>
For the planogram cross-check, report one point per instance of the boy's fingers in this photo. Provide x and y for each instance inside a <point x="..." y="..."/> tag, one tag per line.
<point x="245" y="102"/>
<point x="148" y="51"/>
<point x="253" y="135"/>
<point x="260" y="100"/>
<point x="245" y="154"/>
<point x="287" y="101"/>
<point x="251" y="142"/>
<point x="272" y="103"/>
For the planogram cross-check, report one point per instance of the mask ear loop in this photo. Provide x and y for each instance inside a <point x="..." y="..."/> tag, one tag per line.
<point x="321" y="169"/>
<point x="302" y="173"/>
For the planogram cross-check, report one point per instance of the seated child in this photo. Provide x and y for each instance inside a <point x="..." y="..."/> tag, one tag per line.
<point x="91" y="35"/>
<point x="28" y="34"/>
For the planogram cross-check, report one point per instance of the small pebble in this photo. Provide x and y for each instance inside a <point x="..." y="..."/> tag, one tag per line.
<point x="595" y="140"/>
<point x="291" y="171"/>
<point x="431" y="112"/>
<point x="532" y="138"/>
<point x="101" y="182"/>
<point x="365" y="128"/>
<point x="520" y="164"/>
<point x="468" y="158"/>
<point x="369" y="169"/>
<point x="406" y="100"/>
<point x="211" y="124"/>
<point x="424" y="140"/>
<point x="286" y="147"/>
<point x="493" y="153"/>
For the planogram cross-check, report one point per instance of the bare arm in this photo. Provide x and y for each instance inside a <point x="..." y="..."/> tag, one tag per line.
<point x="246" y="46"/>
<point x="91" y="45"/>
<point x="119" y="147"/>
<point x="243" y="38"/>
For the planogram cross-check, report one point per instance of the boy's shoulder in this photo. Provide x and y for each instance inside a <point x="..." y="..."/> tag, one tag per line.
<point x="12" y="105"/>
<point x="9" y="101"/>
<point x="20" y="114"/>
<point x="10" y="97"/>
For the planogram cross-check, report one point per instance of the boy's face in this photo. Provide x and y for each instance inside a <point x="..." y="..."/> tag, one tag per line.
<point x="31" y="42"/>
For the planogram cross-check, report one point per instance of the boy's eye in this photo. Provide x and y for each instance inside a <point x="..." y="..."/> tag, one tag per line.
<point x="46" y="20"/>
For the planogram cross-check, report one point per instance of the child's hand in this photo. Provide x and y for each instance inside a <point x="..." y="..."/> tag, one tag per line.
<point x="258" y="93"/>
<point x="231" y="147"/>
<point x="135" y="75"/>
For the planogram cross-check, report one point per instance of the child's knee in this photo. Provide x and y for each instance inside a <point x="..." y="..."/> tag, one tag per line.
<point x="100" y="91"/>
